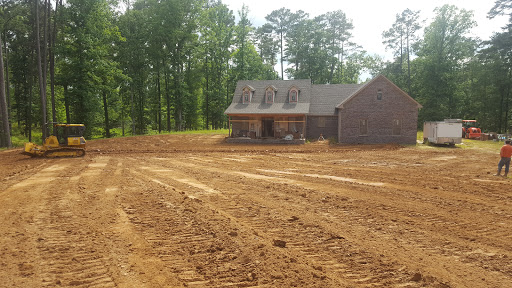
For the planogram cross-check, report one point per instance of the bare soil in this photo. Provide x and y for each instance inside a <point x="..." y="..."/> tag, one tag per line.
<point x="194" y="211"/>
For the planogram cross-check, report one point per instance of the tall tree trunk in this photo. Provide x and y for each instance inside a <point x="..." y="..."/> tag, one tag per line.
<point x="45" y="40"/>
<point x="159" y="114"/>
<point x="105" y="109"/>
<point x="282" y="67"/>
<point x="341" y="59"/>
<point x="219" y="81"/>
<point x="207" y="94"/>
<point x="18" y="108"/>
<point x="121" y="95"/>
<point x="502" y="101"/>
<point x="132" y="93"/>
<point x="177" y="85"/>
<point x="167" y="97"/>
<point x="408" y="65"/>
<point x="507" y="105"/>
<point x="7" y="82"/>
<point x="42" y="90"/>
<point x="3" y="104"/>
<point x="142" y="104"/>
<point x="66" y="104"/>
<point x="53" y="37"/>
<point x="29" y="106"/>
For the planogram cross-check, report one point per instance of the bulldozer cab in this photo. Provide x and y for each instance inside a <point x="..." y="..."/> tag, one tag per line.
<point x="69" y="134"/>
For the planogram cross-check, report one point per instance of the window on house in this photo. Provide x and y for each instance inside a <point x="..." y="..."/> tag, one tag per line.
<point x="247" y="96"/>
<point x="363" y="127"/>
<point x="270" y="96"/>
<point x="397" y="127"/>
<point x="379" y="95"/>
<point x="294" y="96"/>
<point x="321" y="122"/>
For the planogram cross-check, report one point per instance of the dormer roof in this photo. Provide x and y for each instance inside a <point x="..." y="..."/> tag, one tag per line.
<point x="281" y="104"/>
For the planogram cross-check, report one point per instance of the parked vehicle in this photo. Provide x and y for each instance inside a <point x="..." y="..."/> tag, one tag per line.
<point x="443" y="132"/>
<point x="68" y="141"/>
<point x="470" y="129"/>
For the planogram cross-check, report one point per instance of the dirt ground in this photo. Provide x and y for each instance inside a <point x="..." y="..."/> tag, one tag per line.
<point x="193" y="211"/>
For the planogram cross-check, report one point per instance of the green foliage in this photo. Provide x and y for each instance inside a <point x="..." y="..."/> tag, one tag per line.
<point x="217" y="38"/>
<point x="173" y="65"/>
<point x="490" y="146"/>
<point x="400" y="38"/>
<point x="437" y="73"/>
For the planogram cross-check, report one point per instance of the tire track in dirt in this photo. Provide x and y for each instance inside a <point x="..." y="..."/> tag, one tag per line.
<point x="72" y="251"/>
<point x="419" y="237"/>
<point x="173" y="211"/>
<point x="441" y="231"/>
<point x="154" y="218"/>
<point x="216" y="253"/>
<point x="327" y="254"/>
<point x="429" y="202"/>
<point x="20" y="201"/>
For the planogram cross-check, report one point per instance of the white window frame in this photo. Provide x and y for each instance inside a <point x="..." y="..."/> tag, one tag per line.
<point x="248" y="93"/>
<point x="296" y="95"/>
<point x="266" y="96"/>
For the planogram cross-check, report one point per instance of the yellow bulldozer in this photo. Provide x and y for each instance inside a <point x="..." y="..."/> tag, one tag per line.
<point x="67" y="141"/>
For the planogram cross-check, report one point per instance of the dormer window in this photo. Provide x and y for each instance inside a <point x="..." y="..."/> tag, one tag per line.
<point x="270" y="93"/>
<point x="247" y="94"/>
<point x="294" y="95"/>
<point x="270" y="96"/>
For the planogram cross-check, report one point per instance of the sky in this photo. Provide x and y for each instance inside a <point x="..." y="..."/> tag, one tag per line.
<point x="371" y="17"/>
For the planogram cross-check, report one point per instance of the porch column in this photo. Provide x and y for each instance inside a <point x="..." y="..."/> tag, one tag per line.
<point x="304" y="125"/>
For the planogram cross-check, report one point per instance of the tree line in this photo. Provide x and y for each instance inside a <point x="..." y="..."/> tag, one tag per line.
<point x="134" y="67"/>
<point x="450" y="73"/>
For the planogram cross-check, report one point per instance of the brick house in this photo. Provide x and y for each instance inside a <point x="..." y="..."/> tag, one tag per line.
<point x="375" y="112"/>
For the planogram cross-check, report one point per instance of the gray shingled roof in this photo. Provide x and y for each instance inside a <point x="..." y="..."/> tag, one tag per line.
<point x="318" y="99"/>
<point x="281" y="104"/>
<point x="354" y="94"/>
<point x="325" y="98"/>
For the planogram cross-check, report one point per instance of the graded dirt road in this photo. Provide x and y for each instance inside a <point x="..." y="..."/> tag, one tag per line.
<point x="193" y="211"/>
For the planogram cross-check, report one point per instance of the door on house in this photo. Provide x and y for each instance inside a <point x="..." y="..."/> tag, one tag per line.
<point x="268" y="127"/>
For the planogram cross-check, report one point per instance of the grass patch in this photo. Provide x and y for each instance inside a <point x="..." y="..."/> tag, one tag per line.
<point x="482" y="145"/>
<point x="206" y="132"/>
<point x="489" y="145"/>
<point x="420" y="136"/>
<point x="118" y="134"/>
<point x="18" y="139"/>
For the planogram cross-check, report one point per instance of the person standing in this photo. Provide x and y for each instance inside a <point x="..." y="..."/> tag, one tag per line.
<point x="505" y="153"/>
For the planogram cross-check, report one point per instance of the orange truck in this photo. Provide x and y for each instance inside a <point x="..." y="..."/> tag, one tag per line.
<point x="470" y="129"/>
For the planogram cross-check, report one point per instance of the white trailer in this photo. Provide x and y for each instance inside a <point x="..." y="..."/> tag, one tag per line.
<point x="448" y="132"/>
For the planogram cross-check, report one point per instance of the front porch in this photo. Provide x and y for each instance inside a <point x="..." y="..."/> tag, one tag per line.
<point x="247" y="140"/>
<point x="268" y="127"/>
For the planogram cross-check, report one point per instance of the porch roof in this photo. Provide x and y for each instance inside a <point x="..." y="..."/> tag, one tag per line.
<point x="268" y="109"/>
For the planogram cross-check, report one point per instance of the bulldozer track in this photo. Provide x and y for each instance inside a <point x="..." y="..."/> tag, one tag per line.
<point x="64" y="153"/>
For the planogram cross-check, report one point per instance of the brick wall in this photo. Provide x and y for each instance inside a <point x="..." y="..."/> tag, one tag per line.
<point x="380" y="115"/>
<point x="330" y="130"/>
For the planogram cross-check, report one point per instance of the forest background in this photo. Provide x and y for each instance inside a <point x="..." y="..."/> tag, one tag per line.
<point x="147" y="66"/>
